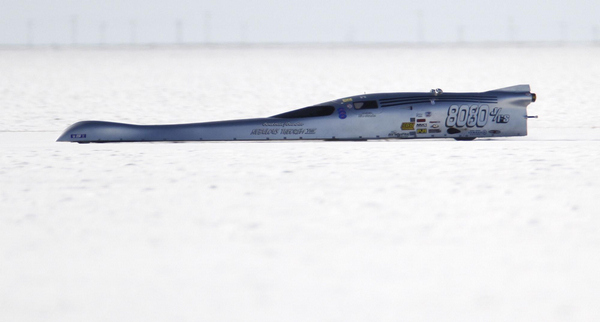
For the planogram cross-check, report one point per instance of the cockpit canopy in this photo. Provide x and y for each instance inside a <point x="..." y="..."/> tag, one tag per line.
<point x="311" y="111"/>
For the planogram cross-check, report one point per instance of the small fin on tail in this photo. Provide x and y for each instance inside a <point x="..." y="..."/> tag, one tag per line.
<point x="516" y="88"/>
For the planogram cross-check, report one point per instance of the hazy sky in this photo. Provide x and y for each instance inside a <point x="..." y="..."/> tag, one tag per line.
<point x="161" y="21"/>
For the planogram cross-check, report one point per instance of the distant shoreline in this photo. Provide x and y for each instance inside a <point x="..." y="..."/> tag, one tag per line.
<point x="495" y="44"/>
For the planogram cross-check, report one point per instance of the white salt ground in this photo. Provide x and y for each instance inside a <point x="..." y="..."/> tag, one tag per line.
<point x="495" y="230"/>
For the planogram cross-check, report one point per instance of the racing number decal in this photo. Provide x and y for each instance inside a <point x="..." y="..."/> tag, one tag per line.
<point x="482" y="115"/>
<point x="451" y="119"/>
<point x="461" y="120"/>
<point x="473" y="115"/>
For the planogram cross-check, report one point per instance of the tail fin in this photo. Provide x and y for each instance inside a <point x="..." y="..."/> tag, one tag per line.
<point x="516" y="88"/>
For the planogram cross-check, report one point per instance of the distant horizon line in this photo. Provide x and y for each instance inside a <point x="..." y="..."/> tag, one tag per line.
<point x="524" y="43"/>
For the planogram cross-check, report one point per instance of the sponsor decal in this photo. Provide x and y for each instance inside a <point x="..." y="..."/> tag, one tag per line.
<point x="408" y="126"/>
<point x="342" y="113"/>
<point x="403" y="135"/>
<point x="283" y="124"/>
<point x="368" y="114"/>
<point x="419" y="114"/>
<point x="421" y="120"/>
<point x="435" y="131"/>
<point x="297" y="131"/>
<point x="349" y="106"/>
<point x="434" y="121"/>
<point x="421" y="124"/>
<point x="494" y="132"/>
<point x="435" y="126"/>
<point x="427" y="114"/>
<point x="412" y="119"/>
<point x="477" y="132"/>
<point x="346" y="100"/>
<point x="421" y="131"/>
<point x="264" y="132"/>
<point x="77" y="136"/>
<point x="282" y="131"/>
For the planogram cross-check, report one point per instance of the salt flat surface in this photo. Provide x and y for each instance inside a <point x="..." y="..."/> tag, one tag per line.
<point x="498" y="230"/>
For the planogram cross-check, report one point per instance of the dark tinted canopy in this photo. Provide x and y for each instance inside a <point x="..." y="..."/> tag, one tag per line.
<point x="311" y="111"/>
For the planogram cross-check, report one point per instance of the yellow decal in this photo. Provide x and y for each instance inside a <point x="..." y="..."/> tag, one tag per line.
<point x="421" y="130"/>
<point x="408" y="126"/>
<point x="346" y="100"/>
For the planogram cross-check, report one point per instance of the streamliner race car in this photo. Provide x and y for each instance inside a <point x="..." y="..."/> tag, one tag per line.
<point x="435" y="114"/>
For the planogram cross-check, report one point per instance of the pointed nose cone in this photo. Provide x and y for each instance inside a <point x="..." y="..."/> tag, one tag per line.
<point x="63" y="137"/>
<point x="69" y="134"/>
